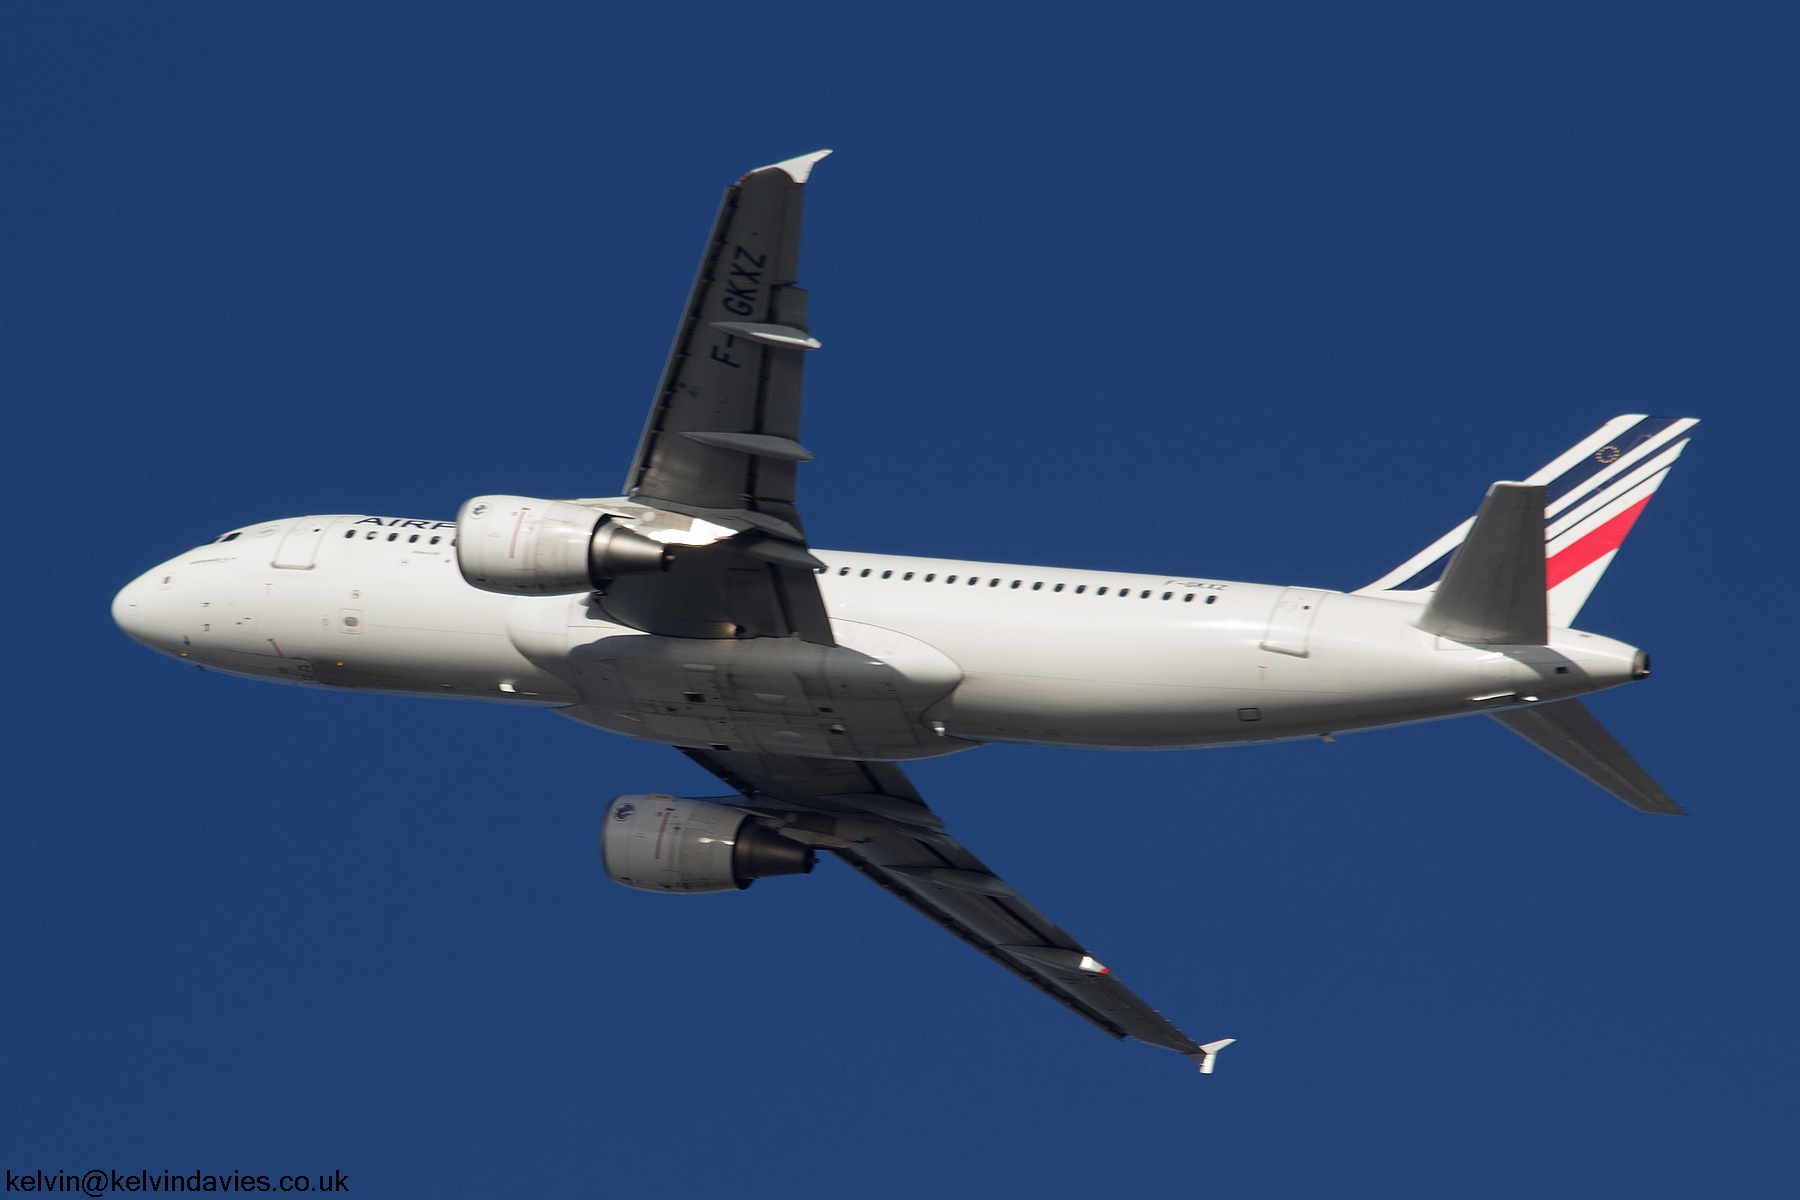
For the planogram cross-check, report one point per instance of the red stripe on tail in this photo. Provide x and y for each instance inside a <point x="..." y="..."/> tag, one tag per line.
<point x="1591" y="548"/>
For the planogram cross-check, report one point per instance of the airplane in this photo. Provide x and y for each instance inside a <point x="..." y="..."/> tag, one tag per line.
<point x="691" y="611"/>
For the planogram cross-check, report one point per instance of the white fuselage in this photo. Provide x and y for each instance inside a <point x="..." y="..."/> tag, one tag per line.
<point x="934" y="655"/>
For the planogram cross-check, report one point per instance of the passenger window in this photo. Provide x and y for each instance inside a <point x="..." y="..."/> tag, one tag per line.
<point x="904" y="578"/>
<point x="1144" y="595"/>
<point x="1057" y="588"/>
<point x="1099" y="591"/>
<point x="412" y="539"/>
<point x="996" y="583"/>
<point x="392" y="536"/>
<point x="931" y="577"/>
<point x="949" y="579"/>
<point x="865" y="573"/>
<point x="349" y="533"/>
<point x="1188" y="599"/>
<point x="433" y="541"/>
<point x="887" y="574"/>
<point x="1015" y="583"/>
<point x="1168" y="595"/>
<point x="1080" y="589"/>
<point x="1036" y="587"/>
<point x="843" y="570"/>
<point x="1210" y="599"/>
<point x="371" y="536"/>
<point x="973" y="581"/>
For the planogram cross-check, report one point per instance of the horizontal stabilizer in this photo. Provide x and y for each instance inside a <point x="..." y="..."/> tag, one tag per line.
<point x="1493" y="590"/>
<point x="1569" y="733"/>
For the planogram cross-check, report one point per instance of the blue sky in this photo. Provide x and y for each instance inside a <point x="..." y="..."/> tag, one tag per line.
<point x="1267" y="292"/>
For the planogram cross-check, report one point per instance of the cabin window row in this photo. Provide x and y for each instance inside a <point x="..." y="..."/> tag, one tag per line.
<point x="1037" y="586"/>
<point x="373" y="534"/>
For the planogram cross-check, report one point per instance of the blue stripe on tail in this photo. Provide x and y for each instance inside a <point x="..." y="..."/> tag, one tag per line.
<point x="1611" y="453"/>
<point x="1570" y="481"/>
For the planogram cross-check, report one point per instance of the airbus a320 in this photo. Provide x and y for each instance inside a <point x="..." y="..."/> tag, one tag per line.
<point x="691" y="610"/>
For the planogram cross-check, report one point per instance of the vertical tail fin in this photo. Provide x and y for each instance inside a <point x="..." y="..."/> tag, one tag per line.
<point x="1593" y="494"/>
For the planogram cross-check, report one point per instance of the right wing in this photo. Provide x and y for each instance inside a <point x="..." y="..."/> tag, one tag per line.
<point x="722" y="444"/>
<point x="1569" y="733"/>
<point x="870" y="815"/>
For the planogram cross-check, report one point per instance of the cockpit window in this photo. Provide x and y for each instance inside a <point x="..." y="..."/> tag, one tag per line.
<point x="232" y="536"/>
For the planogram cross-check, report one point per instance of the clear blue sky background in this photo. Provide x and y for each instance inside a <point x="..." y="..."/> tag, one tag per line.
<point x="1266" y="292"/>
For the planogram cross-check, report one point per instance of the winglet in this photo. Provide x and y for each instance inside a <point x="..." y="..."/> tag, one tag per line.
<point x="1209" y="1054"/>
<point x="798" y="169"/>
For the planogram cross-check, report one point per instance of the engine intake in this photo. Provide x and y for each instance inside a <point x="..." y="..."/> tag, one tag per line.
<point x="514" y="544"/>
<point x="664" y="844"/>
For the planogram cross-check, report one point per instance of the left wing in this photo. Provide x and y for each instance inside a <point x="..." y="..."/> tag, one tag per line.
<point x="870" y="815"/>
<point x="721" y="445"/>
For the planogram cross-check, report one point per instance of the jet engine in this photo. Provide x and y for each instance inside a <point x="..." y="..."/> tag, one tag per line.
<point x="514" y="544"/>
<point x="663" y="844"/>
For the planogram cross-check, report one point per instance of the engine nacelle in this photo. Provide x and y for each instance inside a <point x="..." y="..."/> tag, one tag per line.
<point x="516" y="544"/>
<point x="664" y="844"/>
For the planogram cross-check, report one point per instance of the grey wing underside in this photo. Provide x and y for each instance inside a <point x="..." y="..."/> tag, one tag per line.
<point x="722" y="442"/>
<point x="870" y="815"/>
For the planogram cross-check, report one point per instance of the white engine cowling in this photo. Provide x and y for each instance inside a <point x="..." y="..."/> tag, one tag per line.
<point x="516" y="544"/>
<point x="665" y="844"/>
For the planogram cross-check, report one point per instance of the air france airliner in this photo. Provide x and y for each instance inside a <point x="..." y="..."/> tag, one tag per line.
<point x="691" y="610"/>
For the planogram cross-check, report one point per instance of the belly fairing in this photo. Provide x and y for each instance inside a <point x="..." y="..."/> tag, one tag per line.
<point x="865" y="698"/>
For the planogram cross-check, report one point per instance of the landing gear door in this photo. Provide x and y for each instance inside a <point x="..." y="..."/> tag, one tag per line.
<point x="1291" y="622"/>
<point x="299" y="547"/>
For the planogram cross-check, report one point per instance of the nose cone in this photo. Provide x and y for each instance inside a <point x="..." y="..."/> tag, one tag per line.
<point x="142" y="611"/>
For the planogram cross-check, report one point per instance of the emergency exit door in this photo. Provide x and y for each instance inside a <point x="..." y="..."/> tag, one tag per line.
<point x="1291" y="622"/>
<point x="299" y="548"/>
